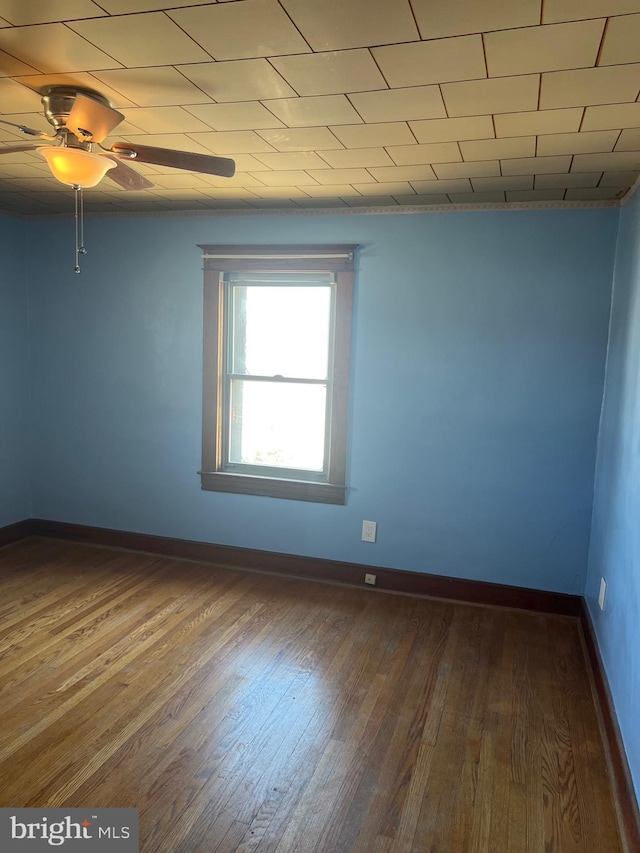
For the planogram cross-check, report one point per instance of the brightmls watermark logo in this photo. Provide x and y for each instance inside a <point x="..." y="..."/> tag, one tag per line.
<point x="79" y="830"/>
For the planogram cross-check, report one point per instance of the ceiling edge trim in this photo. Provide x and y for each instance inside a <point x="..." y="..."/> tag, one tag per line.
<point x="630" y="192"/>
<point x="334" y="211"/>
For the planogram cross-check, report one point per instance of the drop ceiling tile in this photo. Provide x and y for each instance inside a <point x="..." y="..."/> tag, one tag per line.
<point x="594" y="194"/>
<point x="535" y="165"/>
<point x="153" y="87"/>
<point x="535" y="195"/>
<point x="577" y="143"/>
<point x="321" y="202"/>
<point x="227" y="204"/>
<point x="479" y="169"/>
<point x="293" y="160"/>
<point x="548" y="48"/>
<point x="368" y="201"/>
<point x="403" y="173"/>
<point x="54" y="48"/>
<point x="501" y="149"/>
<point x="22" y="170"/>
<point x="622" y="41"/>
<point x="624" y="161"/>
<point x="232" y="191"/>
<point x="18" y="99"/>
<point x="240" y="179"/>
<point x="10" y="67"/>
<point x="246" y="115"/>
<point x="76" y="78"/>
<point x="517" y="182"/>
<point x="179" y="141"/>
<point x="34" y="120"/>
<point x="22" y="13"/>
<point x="285" y="192"/>
<point x="341" y="176"/>
<point x="336" y="25"/>
<point x="497" y="95"/>
<point x="437" y="20"/>
<point x="164" y="120"/>
<point x="439" y="61"/>
<point x="417" y="200"/>
<point x="275" y="203"/>
<point x="354" y="158"/>
<point x="314" y="111"/>
<point x="246" y="163"/>
<point x="437" y="152"/>
<point x="573" y="179"/>
<point x="538" y="122"/>
<point x="374" y="135"/>
<point x="573" y="10"/>
<point x="619" y="179"/>
<point x="393" y="188"/>
<point x="301" y="139"/>
<point x="182" y="180"/>
<point x="332" y="190"/>
<point x="12" y="136"/>
<point x="611" y="116"/>
<point x="223" y="29"/>
<point x="477" y="198"/>
<point x="586" y="86"/>
<point x="179" y="194"/>
<point x="238" y="80"/>
<point x="232" y="142"/>
<point x="453" y="129"/>
<point x="286" y="178"/>
<point x="332" y="73"/>
<point x="461" y="185"/>
<point x="421" y="102"/>
<point x="629" y="140"/>
<point x="150" y="38"/>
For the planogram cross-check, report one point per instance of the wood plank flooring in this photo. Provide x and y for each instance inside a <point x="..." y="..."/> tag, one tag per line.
<point x="246" y="713"/>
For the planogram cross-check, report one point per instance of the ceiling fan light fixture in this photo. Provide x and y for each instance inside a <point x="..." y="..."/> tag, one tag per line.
<point x="75" y="167"/>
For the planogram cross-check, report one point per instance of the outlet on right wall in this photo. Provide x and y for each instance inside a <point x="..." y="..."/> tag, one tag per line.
<point x="615" y="536"/>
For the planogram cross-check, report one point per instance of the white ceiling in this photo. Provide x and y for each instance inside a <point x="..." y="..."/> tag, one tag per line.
<point x="336" y="103"/>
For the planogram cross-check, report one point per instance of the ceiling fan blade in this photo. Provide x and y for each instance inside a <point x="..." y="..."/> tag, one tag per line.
<point x="222" y="166"/>
<point x="90" y="119"/>
<point x="126" y="177"/>
<point x="28" y="130"/>
<point x="13" y="149"/>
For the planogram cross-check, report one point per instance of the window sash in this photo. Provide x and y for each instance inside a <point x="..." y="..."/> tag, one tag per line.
<point x="231" y="283"/>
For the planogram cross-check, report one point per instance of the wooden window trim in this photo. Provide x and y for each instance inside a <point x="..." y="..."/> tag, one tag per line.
<point x="275" y="259"/>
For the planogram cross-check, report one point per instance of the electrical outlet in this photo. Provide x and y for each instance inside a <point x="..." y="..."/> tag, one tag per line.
<point x="370" y="579"/>
<point x="602" y="595"/>
<point x="369" y="529"/>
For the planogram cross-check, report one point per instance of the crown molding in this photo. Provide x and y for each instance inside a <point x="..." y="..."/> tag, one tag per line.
<point x="337" y="211"/>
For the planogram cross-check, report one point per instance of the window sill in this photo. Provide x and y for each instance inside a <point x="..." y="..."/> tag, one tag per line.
<point x="294" y="490"/>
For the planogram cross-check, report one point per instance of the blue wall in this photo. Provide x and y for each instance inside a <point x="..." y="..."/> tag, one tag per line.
<point x="478" y="363"/>
<point x="615" y="544"/>
<point x="15" y="490"/>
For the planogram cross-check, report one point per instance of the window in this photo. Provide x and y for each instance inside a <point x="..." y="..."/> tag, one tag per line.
<point x="277" y="330"/>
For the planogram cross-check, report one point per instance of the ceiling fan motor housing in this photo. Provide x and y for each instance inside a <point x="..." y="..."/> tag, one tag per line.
<point x="58" y="102"/>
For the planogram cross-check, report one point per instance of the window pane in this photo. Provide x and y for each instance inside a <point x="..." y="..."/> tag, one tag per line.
<point x="277" y="424"/>
<point x="281" y="330"/>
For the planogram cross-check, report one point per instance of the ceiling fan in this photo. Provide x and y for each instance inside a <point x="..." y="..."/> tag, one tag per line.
<point x="83" y="118"/>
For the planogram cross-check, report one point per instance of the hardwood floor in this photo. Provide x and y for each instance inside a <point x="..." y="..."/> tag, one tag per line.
<point x="246" y="713"/>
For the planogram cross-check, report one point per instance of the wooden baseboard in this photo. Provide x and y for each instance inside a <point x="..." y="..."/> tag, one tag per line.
<point x="395" y="580"/>
<point x="14" y="532"/>
<point x="624" y="794"/>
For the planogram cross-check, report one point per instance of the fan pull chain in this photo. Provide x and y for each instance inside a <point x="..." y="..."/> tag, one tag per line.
<point x="80" y="249"/>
